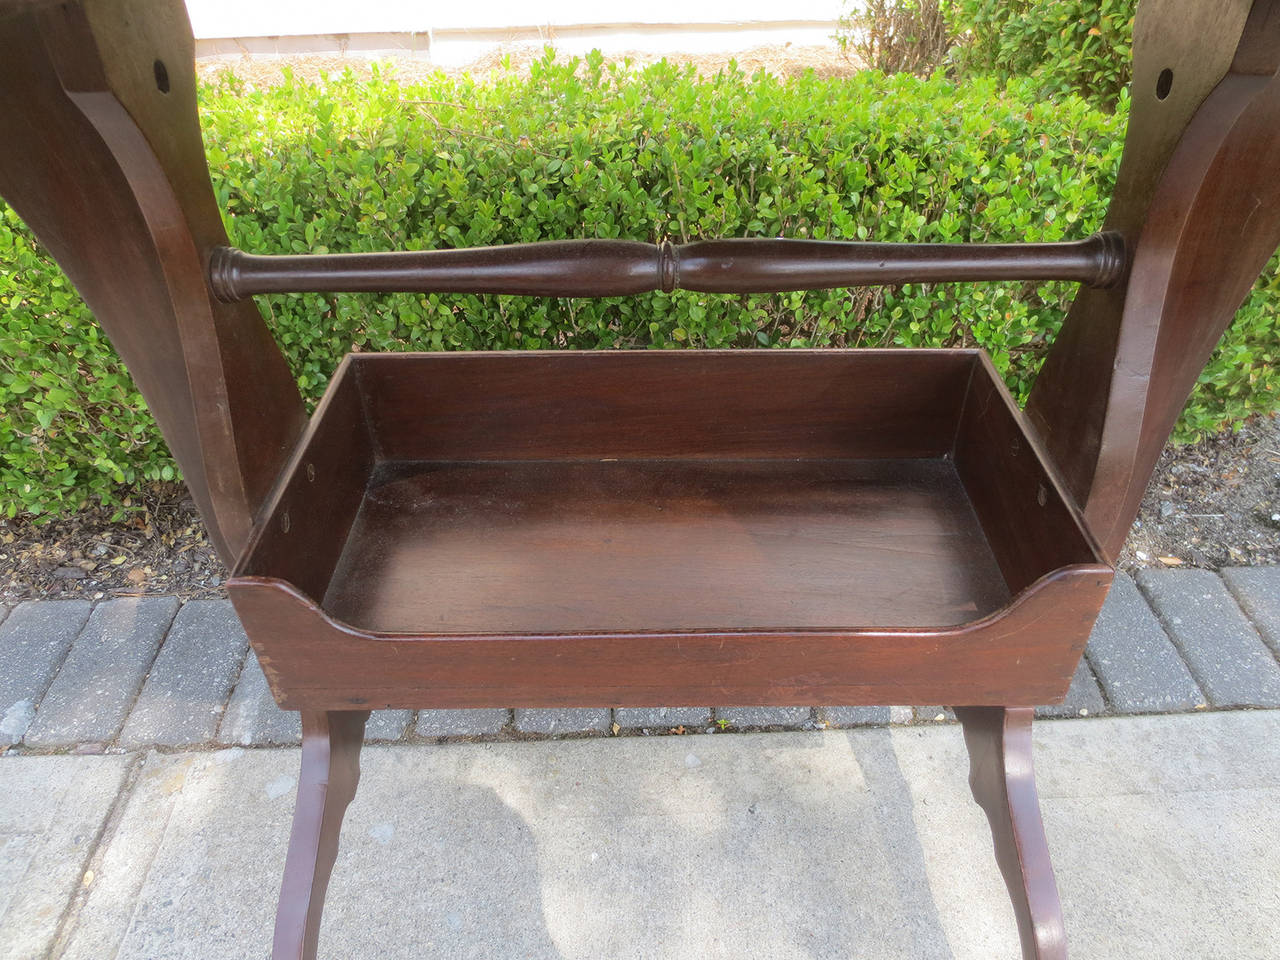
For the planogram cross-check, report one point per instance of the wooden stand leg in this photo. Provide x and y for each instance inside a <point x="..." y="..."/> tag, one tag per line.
<point x="1002" y="778"/>
<point x="331" y="743"/>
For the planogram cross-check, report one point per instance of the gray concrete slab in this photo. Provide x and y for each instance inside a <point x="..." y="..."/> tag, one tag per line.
<point x="854" y="716"/>
<point x="1136" y="663"/>
<point x="252" y="718"/>
<point x="1257" y="590"/>
<point x="103" y="672"/>
<point x="34" y="640"/>
<point x="564" y="720"/>
<point x="1226" y="655"/>
<point x="461" y="723"/>
<point x="749" y="717"/>
<point x="1084" y="698"/>
<point x="186" y="691"/>
<point x="52" y="810"/>
<point x="817" y="845"/>
<point x="661" y="718"/>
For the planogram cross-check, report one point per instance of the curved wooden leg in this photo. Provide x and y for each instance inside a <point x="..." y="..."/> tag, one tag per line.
<point x="331" y="743"/>
<point x="1002" y="778"/>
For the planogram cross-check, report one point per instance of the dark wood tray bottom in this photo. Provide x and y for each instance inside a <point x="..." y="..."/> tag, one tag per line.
<point x="548" y="546"/>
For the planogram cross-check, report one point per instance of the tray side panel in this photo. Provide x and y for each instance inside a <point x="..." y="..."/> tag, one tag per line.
<point x="309" y="517"/>
<point x="639" y="404"/>
<point x="1024" y="655"/>
<point x="1030" y="526"/>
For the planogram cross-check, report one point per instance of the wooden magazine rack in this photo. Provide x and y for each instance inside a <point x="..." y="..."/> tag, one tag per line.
<point x="633" y="528"/>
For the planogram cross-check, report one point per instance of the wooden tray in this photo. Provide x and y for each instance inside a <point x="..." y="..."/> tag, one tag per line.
<point x="625" y="528"/>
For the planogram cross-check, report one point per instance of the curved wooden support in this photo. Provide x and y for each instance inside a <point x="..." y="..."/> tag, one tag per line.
<point x="1002" y="778"/>
<point x="1198" y="203"/>
<point x="331" y="743"/>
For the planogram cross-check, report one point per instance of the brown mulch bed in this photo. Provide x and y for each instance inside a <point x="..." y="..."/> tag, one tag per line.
<point x="1212" y="504"/>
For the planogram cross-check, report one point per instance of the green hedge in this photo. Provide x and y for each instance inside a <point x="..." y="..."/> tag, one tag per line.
<point x="584" y="150"/>
<point x="1066" y="46"/>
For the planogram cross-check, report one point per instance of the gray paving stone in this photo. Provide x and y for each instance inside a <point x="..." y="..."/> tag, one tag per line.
<point x="461" y="723"/>
<point x="1084" y="698"/>
<point x="96" y="685"/>
<point x="765" y="716"/>
<point x="387" y="725"/>
<point x="661" y="717"/>
<point x="187" y="689"/>
<point x="1225" y="654"/>
<point x="932" y="714"/>
<point x="1138" y="666"/>
<point x="252" y="718"/>
<point x="34" y="640"/>
<point x="1257" y="590"/>
<point x="566" y="720"/>
<point x="854" y="716"/>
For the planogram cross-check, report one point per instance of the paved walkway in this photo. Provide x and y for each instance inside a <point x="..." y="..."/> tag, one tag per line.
<point x="130" y="673"/>
<point x="837" y="844"/>
<point x="536" y="834"/>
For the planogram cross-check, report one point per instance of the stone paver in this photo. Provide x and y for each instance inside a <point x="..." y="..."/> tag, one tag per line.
<point x="191" y="679"/>
<point x="661" y="717"/>
<point x="1257" y="590"/>
<point x="461" y="723"/>
<point x="1225" y="654"/>
<point x="854" y="716"/>
<point x="387" y="725"/>
<point x="252" y="718"/>
<point x="1084" y="699"/>
<point x="932" y="714"/>
<point x="765" y="716"/>
<point x="51" y="812"/>
<point x="563" y="720"/>
<point x="1137" y="664"/>
<point x="1163" y="832"/>
<point x="34" y="640"/>
<point x="96" y="685"/>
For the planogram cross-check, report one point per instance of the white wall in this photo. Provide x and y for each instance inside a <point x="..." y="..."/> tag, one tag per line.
<point x="460" y="32"/>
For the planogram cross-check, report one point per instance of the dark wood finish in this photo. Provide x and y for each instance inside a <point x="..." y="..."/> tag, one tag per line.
<point x="109" y="172"/>
<point x="1024" y="653"/>
<point x="1198" y="203"/>
<point x="1002" y="777"/>
<point x="608" y="268"/>
<point x="326" y="785"/>
<point x="607" y="528"/>
<point x="543" y="530"/>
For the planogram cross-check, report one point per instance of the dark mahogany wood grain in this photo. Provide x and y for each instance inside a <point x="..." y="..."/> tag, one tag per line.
<point x="1197" y="202"/>
<point x="773" y="503"/>
<point x="327" y="783"/>
<point x="606" y="268"/>
<point x="1024" y="654"/>
<point x="109" y="173"/>
<point x="1002" y="777"/>
<point x="543" y="546"/>
<point x="741" y="404"/>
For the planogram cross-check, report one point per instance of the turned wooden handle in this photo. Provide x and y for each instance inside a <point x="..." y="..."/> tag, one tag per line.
<point x="609" y="268"/>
